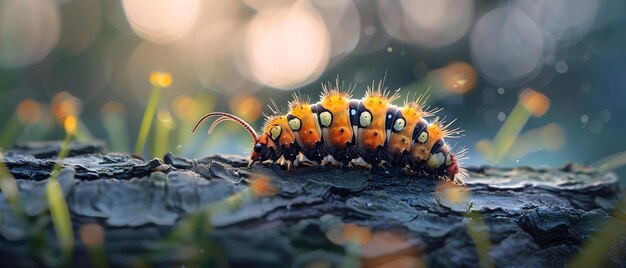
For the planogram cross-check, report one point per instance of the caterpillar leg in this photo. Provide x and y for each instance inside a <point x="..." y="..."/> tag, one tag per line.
<point x="329" y="161"/>
<point x="375" y="158"/>
<point x="303" y="161"/>
<point x="316" y="154"/>
<point x="345" y="156"/>
<point x="290" y="165"/>
<point x="459" y="181"/>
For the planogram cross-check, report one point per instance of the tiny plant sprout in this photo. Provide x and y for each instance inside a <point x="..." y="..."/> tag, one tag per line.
<point x="159" y="80"/>
<point x="59" y="210"/>
<point x="70" y="125"/>
<point x="531" y="102"/>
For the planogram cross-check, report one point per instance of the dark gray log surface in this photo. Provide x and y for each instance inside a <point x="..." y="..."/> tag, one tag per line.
<point x="534" y="217"/>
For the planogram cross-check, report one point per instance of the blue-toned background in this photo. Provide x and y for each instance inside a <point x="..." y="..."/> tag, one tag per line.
<point x="475" y="56"/>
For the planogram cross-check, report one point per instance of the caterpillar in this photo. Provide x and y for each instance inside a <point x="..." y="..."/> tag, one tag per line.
<point x="341" y="129"/>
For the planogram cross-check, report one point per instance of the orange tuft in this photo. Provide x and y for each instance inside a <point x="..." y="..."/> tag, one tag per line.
<point x="381" y="93"/>
<point x="442" y="129"/>
<point x="435" y="132"/>
<point x="337" y="90"/>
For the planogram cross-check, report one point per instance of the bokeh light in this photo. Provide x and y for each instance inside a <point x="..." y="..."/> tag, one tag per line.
<point x="246" y="106"/>
<point x="535" y="102"/>
<point x="64" y="105"/>
<point x="262" y="186"/>
<point x="185" y="107"/>
<point x="452" y="193"/>
<point x="91" y="234"/>
<point x="149" y="57"/>
<point x="164" y="116"/>
<point x="80" y="25"/>
<point x="287" y="46"/>
<point x="458" y="77"/>
<point x="473" y="56"/>
<point x="341" y="17"/>
<point x="29" y="30"/>
<point x="608" y="35"/>
<point x="29" y="111"/>
<point x="427" y="23"/>
<point x="532" y="82"/>
<point x="507" y="47"/>
<point x="113" y="107"/>
<point x="566" y="21"/>
<point x="385" y="242"/>
<point x="547" y="138"/>
<point x="161" y="21"/>
<point x="373" y="36"/>
<point x="349" y="233"/>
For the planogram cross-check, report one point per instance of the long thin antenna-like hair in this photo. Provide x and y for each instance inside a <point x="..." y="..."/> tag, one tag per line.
<point x="230" y="117"/>
<point x="274" y="107"/>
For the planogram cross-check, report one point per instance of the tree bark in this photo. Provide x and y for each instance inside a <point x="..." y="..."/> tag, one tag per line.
<point x="505" y="216"/>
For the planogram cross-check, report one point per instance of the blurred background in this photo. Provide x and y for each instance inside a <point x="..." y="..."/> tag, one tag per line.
<point x="531" y="82"/>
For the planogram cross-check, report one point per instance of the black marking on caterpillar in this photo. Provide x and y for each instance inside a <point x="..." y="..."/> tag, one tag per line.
<point x="345" y="130"/>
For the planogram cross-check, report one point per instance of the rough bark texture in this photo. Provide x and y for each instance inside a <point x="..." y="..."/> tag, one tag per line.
<point x="534" y="217"/>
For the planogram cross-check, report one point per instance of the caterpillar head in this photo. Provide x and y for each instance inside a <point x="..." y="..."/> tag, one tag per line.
<point x="444" y="163"/>
<point x="278" y="130"/>
<point x="262" y="149"/>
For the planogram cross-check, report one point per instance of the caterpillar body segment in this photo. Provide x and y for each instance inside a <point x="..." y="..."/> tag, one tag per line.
<point x="345" y="129"/>
<point x="303" y="121"/>
<point x="402" y="132"/>
<point x="335" y="123"/>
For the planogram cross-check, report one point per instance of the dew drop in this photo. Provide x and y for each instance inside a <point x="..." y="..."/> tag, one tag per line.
<point x="596" y="127"/>
<point x="584" y="119"/>
<point x="561" y="67"/>
<point x="605" y="115"/>
<point x="501" y="116"/>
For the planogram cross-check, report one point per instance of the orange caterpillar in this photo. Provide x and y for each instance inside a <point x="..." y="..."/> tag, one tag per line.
<point x="343" y="129"/>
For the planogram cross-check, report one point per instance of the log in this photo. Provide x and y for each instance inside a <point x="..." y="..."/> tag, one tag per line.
<point x="523" y="216"/>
